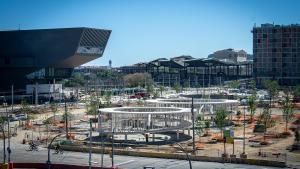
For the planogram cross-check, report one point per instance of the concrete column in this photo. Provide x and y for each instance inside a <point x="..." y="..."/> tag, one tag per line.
<point x="177" y="132"/>
<point x="189" y="131"/>
<point x="125" y="137"/>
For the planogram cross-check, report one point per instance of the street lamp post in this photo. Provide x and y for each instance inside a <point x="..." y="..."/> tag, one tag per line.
<point x="193" y="122"/>
<point x="8" y="124"/>
<point x="244" y="155"/>
<point x="4" y="146"/>
<point x="49" y="147"/>
<point x="101" y="136"/>
<point x="90" y="146"/>
<point x="244" y="129"/>
<point x="66" y="120"/>
<point x="187" y="155"/>
<point x="4" y="152"/>
<point x="112" y="148"/>
<point x="8" y="132"/>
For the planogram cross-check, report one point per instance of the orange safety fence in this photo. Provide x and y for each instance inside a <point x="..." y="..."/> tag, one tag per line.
<point x="200" y="145"/>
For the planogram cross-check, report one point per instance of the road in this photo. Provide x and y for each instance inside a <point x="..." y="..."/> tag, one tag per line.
<point x="19" y="154"/>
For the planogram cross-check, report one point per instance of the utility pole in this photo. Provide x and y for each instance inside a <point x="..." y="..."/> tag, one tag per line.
<point x="66" y="120"/>
<point x="112" y="148"/>
<point x="3" y="129"/>
<point x="8" y="124"/>
<point x="244" y="130"/>
<point x="36" y="94"/>
<point x="102" y="141"/>
<point x="90" y="146"/>
<point x="193" y="122"/>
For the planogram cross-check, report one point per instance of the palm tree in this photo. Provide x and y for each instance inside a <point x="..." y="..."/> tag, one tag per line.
<point x="287" y="109"/>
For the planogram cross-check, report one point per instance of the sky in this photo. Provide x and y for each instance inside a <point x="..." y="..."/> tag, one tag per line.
<point x="143" y="30"/>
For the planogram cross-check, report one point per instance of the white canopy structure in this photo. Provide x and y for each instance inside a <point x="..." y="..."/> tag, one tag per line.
<point x="127" y="120"/>
<point x="203" y="106"/>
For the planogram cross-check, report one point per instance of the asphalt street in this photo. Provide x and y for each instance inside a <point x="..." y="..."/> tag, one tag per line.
<point x="20" y="154"/>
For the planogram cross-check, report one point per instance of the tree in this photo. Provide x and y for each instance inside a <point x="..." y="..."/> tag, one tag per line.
<point x="137" y="79"/>
<point x="234" y="84"/>
<point x="207" y="126"/>
<point x="107" y="97"/>
<point x="265" y="118"/>
<point x="199" y="124"/>
<point x="161" y="89"/>
<point x="76" y="80"/>
<point x="156" y="94"/>
<point x="287" y="109"/>
<point x="221" y="119"/>
<point x="67" y="116"/>
<point x="296" y="93"/>
<point x="92" y="106"/>
<point x="2" y="121"/>
<point x="239" y="115"/>
<point x="54" y="110"/>
<point x="176" y="87"/>
<point x="272" y="88"/>
<point x="253" y="88"/>
<point x="150" y="89"/>
<point x="25" y="108"/>
<point x="252" y="106"/>
<point x="185" y="84"/>
<point x="197" y="86"/>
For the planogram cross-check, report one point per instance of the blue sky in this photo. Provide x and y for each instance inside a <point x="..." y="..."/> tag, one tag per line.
<point x="143" y="30"/>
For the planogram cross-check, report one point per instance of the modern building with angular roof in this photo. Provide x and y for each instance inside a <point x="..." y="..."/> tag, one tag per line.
<point x="42" y="55"/>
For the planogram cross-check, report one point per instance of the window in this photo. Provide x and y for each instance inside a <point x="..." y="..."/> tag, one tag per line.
<point x="265" y="35"/>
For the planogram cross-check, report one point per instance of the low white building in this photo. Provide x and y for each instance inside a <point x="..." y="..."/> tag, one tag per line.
<point x="229" y="55"/>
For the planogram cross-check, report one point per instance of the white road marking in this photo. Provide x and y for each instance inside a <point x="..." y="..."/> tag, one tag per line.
<point x="126" y="162"/>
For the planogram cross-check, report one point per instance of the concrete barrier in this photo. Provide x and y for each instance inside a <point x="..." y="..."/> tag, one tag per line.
<point x="177" y="156"/>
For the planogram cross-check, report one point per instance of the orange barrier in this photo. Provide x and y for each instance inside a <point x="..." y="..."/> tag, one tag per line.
<point x="199" y="146"/>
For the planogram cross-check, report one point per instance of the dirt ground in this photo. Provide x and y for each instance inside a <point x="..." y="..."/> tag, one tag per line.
<point x="276" y="151"/>
<point x="269" y="152"/>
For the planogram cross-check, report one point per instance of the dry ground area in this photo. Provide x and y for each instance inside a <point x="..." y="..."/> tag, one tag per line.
<point x="278" y="146"/>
